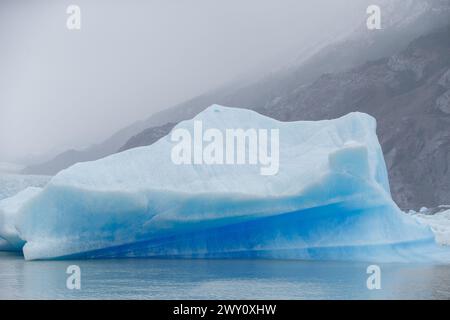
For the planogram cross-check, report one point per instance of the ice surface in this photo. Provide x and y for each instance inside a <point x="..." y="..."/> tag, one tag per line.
<point x="439" y="223"/>
<point x="329" y="200"/>
<point x="10" y="184"/>
<point x="9" y="209"/>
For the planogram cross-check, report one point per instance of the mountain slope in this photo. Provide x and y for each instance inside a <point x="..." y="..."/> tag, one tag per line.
<point x="148" y="136"/>
<point x="408" y="94"/>
<point x="403" y="20"/>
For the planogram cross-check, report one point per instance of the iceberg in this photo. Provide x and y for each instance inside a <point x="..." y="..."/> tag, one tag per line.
<point x="11" y="184"/>
<point x="439" y="223"/>
<point x="9" y="208"/>
<point x="329" y="200"/>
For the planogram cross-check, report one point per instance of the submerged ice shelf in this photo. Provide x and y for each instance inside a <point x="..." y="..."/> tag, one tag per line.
<point x="329" y="200"/>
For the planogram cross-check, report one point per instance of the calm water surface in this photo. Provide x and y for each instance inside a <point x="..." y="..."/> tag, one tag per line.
<point x="218" y="279"/>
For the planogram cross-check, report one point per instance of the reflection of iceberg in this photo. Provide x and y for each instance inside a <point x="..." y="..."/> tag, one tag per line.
<point x="329" y="200"/>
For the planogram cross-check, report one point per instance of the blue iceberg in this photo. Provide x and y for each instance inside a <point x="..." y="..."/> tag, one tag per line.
<point x="9" y="209"/>
<point x="329" y="199"/>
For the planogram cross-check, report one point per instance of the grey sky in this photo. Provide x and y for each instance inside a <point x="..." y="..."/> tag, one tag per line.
<point x="61" y="89"/>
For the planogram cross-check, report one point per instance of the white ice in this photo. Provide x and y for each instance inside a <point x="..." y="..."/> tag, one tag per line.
<point x="439" y="223"/>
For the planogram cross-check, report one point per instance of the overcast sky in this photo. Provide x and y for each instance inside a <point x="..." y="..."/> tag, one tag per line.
<point x="61" y="89"/>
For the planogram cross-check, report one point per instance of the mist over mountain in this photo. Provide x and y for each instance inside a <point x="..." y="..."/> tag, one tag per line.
<point x="403" y="21"/>
<point x="69" y="89"/>
<point x="399" y="74"/>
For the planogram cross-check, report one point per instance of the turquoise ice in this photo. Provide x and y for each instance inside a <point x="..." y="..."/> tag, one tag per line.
<point x="330" y="200"/>
<point x="9" y="208"/>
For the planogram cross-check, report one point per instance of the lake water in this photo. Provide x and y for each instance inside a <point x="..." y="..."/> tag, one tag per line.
<point x="218" y="279"/>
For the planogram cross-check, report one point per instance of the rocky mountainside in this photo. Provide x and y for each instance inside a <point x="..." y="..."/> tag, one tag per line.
<point x="403" y="21"/>
<point x="408" y="93"/>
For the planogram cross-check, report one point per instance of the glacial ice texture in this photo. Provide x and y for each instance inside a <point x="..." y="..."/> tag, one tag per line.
<point x="439" y="223"/>
<point x="9" y="209"/>
<point x="329" y="200"/>
<point x="11" y="184"/>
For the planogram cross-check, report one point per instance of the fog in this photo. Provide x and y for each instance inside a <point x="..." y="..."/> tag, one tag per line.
<point x="63" y="89"/>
